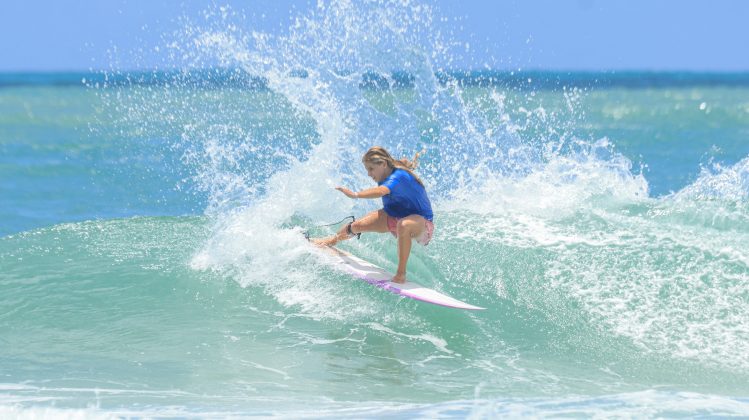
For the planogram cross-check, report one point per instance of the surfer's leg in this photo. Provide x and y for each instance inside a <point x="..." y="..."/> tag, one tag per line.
<point x="409" y="227"/>
<point x="375" y="221"/>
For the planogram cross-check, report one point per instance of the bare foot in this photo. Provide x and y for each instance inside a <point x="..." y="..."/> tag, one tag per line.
<point x="321" y="242"/>
<point x="399" y="278"/>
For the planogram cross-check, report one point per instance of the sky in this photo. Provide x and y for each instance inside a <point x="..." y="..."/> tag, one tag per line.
<point x="659" y="35"/>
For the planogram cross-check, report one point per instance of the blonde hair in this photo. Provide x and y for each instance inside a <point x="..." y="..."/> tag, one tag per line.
<point x="378" y="154"/>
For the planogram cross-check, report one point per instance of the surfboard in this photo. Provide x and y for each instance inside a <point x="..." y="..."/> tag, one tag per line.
<point x="378" y="277"/>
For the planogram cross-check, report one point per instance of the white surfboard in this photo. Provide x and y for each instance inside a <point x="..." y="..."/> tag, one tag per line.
<point x="377" y="276"/>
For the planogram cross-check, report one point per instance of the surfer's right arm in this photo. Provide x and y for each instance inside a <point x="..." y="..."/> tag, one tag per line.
<point x="374" y="192"/>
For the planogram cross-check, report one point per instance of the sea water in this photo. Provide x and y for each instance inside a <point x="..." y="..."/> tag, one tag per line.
<point x="152" y="261"/>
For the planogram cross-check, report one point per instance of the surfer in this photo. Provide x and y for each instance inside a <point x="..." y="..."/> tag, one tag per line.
<point x="406" y="212"/>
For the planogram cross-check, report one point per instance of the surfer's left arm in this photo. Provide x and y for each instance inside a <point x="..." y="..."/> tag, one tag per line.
<point x="374" y="192"/>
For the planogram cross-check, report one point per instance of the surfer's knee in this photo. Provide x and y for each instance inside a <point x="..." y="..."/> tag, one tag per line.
<point x="406" y="226"/>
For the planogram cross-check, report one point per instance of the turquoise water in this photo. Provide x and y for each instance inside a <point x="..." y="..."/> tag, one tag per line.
<point x="152" y="262"/>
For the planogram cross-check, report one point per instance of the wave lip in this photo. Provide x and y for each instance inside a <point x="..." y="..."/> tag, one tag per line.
<point x="729" y="183"/>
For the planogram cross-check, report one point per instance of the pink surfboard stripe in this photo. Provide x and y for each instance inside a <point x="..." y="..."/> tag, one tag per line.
<point x="378" y="277"/>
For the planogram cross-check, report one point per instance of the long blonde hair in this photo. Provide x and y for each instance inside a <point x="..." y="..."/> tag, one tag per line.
<point x="378" y="154"/>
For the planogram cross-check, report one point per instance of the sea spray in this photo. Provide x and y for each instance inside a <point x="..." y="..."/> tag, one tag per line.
<point x="502" y="166"/>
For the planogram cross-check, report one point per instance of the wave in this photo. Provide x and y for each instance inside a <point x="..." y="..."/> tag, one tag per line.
<point x="530" y="206"/>
<point x="597" y="285"/>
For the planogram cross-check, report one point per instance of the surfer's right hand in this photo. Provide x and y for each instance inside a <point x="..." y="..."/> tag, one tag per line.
<point x="348" y="192"/>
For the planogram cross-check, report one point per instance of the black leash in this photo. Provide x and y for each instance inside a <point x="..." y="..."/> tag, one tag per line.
<point x="348" y="228"/>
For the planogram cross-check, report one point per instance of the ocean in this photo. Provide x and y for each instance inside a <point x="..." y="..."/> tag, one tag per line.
<point x="152" y="261"/>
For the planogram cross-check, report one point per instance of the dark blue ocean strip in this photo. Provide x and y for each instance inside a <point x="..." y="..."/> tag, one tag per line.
<point x="525" y="80"/>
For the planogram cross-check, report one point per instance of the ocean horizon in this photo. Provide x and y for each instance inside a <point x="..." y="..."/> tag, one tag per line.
<point x="536" y="79"/>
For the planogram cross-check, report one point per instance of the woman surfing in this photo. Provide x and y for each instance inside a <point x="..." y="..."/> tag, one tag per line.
<point x="406" y="212"/>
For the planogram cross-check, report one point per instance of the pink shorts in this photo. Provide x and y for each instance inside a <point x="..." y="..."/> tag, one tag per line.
<point x="423" y="239"/>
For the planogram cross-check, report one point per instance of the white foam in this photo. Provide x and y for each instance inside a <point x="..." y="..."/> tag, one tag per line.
<point x="641" y="404"/>
<point x="42" y="413"/>
<point x="557" y="187"/>
<point x="719" y="182"/>
<point x="438" y="343"/>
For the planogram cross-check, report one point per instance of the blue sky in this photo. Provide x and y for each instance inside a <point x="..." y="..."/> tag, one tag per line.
<point x="49" y="35"/>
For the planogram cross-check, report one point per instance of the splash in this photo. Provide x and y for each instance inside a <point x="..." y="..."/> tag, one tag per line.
<point x="273" y="122"/>
<point x="719" y="182"/>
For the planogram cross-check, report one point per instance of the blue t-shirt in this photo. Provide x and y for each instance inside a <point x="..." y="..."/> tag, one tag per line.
<point x="406" y="196"/>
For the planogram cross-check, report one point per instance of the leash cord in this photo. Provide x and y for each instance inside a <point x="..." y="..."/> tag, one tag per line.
<point x="353" y="219"/>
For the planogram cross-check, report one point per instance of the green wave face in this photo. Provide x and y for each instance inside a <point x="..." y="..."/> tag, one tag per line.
<point x="602" y="300"/>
